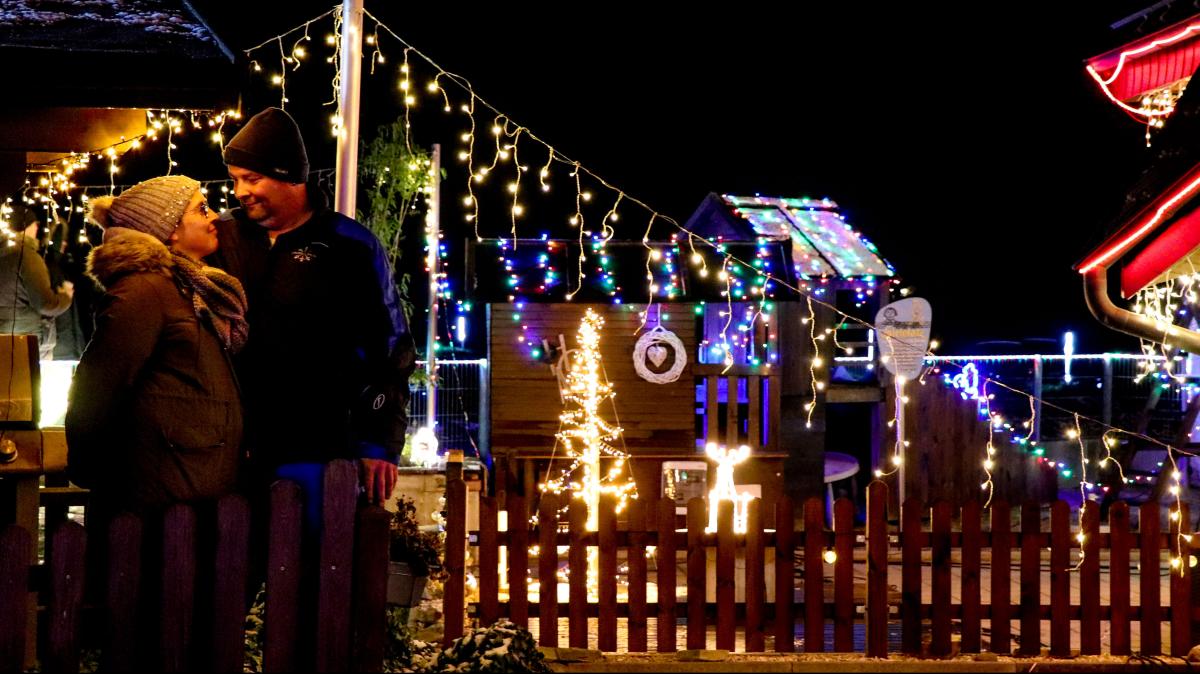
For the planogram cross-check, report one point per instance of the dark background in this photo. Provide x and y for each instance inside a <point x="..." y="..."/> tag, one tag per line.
<point x="964" y="139"/>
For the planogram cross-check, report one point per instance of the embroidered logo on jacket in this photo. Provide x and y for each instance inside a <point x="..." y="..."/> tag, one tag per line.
<point x="303" y="255"/>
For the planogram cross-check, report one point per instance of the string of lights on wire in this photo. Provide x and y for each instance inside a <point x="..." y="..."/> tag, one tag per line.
<point x="506" y="136"/>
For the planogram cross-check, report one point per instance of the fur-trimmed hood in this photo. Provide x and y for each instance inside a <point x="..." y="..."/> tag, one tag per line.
<point x="126" y="251"/>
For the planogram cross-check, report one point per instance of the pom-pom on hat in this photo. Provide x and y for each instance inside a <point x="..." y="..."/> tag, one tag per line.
<point x="270" y="144"/>
<point x="153" y="207"/>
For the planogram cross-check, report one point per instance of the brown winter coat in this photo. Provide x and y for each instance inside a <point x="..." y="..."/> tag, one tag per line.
<point x="155" y="416"/>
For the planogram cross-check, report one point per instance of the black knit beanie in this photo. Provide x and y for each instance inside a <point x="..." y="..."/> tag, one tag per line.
<point x="270" y="144"/>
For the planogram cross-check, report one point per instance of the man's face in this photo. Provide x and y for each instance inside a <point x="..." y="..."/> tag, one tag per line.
<point x="267" y="201"/>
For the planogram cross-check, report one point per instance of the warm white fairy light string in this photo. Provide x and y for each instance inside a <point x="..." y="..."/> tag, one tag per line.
<point x="581" y="195"/>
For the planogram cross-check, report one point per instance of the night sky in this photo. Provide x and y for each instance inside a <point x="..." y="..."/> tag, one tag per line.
<point x="965" y="140"/>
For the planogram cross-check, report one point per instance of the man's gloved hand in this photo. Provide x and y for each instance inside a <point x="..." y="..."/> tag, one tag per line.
<point x="378" y="479"/>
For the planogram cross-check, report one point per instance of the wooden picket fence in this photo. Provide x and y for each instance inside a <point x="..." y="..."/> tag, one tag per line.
<point x="350" y="624"/>
<point x="886" y="545"/>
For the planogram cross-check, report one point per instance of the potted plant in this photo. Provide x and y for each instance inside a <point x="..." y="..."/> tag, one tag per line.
<point x="414" y="556"/>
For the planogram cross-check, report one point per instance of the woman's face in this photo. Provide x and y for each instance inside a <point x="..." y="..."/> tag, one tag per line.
<point x="196" y="234"/>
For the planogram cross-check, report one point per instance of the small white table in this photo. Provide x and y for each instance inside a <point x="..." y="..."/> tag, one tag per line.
<point x="838" y="466"/>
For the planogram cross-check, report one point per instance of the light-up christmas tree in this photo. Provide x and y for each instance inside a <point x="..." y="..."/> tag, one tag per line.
<point x="586" y="438"/>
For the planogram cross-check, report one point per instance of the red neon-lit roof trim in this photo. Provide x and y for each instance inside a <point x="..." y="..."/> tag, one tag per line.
<point x="1157" y="60"/>
<point x="1161" y="254"/>
<point x="1157" y="212"/>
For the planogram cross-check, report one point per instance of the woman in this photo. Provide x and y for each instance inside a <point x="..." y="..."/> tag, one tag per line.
<point x="155" y="415"/>
<point x="27" y="299"/>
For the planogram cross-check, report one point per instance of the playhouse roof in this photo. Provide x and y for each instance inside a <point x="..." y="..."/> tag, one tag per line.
<point x="822" y="243"/>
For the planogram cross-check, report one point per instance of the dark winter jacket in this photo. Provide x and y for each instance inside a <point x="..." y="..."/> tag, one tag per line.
<point x="154" y="416"/>
<point x="325" y="371"/>
<point x="25" y="293"/>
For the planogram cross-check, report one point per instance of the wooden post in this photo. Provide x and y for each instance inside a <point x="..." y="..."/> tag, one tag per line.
<point x="1118" y="583"/>
<point x="66" y="598"/>
<point x="16" y="546"/>
<point x="489" y="560"/>
<point x="972" y="544"/>
<point x="785" y="575"/>
<point x="1031" y="579"/>
<point x="755" y="567"/>
<point x="371" y="542"/>
<point x="334" y="576"/>
<point x="518" y="560"/>
<point x="228" y="626"/>
<point x="1060" y="580"/>
<point x="666" y="563"/>
<point x="453" y="601"/>
<point x="697" y="562"/>
<point x="283" y="578"/>
<point x="177" y="578"/>
<point x="121" y="593"/>
<point x="1089" y="580"/>
<point x="726" y="581"/>
<point x="814" y="576"/>
<point x="843" y="576"/>
<point x="548" y="571"/>
<point x="1149" y="543"/>
<point x="1001" y="641"/>
<point x="911" y="537"/>
<point x="939" y="544"/>
<point x="636" y="560"/>
<point x="877" y="570"/>
<point x="578" y="564"/>
<point x="1181" y="585"/>
<point x="607" y="540"/>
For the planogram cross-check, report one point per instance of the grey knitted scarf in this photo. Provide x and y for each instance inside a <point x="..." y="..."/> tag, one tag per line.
<point x="216" y="296"/>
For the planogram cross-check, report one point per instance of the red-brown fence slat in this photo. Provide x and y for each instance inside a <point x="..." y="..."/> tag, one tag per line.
<point x="66" y="598"/>
<point x="1118" y="579"/>
<point x="1060" y="579"/>
<point x="176" y="574"/>
<point x="548" y="571"/>
<point x="489" y="560"/>
<point x="731" y="410"/>
<point x="1089" y="580"/>
<point x="664" y="555"/>
<point x="697" y="568"/>
<point x="911" y="512"/>
<point x="785" y="575"/>
<point x="1149" y="530"/>
<point x="577" y="628"/>
<point x="1181" y="581"/>
<point x="814" y="576"/>
<point x="124" y="566"/>
<point x="1001" y="622"/>
<point x="1031" y="579"/>
<point x="939" y="543"/>
<point x="755" y="566"/>
<point x="607" y="634"/>
<point x="843" y="576"/>
<point x="230" y="578"/>
<point x="972" y="545"/>
<point x="455" y="563"/>
<point x="636" y="561"/>
<point x="16" y="550"/>
<point x="711" y="408"/>
<point x="518" y="559"/>
<point x="283" y="578"/>
<point x="726" y="570"/>
<point x="371" y="542"/>
<point x="877" y="570"/>
<point x="335" y="573"/>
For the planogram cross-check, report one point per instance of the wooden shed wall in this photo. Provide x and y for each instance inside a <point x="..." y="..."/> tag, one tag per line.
<point x="656" y="418"/>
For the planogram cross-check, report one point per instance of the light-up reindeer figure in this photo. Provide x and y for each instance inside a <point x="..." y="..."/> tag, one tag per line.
<point x="725" y="490"/>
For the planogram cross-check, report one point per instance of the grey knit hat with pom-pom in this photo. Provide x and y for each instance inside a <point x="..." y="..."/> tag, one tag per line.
<point x="153" y="207"/>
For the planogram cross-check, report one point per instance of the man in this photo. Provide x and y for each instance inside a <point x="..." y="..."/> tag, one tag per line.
<point x="325" y="371"/>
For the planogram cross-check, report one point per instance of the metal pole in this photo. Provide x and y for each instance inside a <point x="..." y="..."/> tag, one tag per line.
<point x="350" y="70"/>
<point x="1108" y="393"/>
<point x="432" y="240"/>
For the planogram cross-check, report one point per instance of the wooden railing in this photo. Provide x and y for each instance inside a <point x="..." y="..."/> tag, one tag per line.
<point x="762" y="405"/>
<point x="782" y="610"/>
<point x="350" y="619"/>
